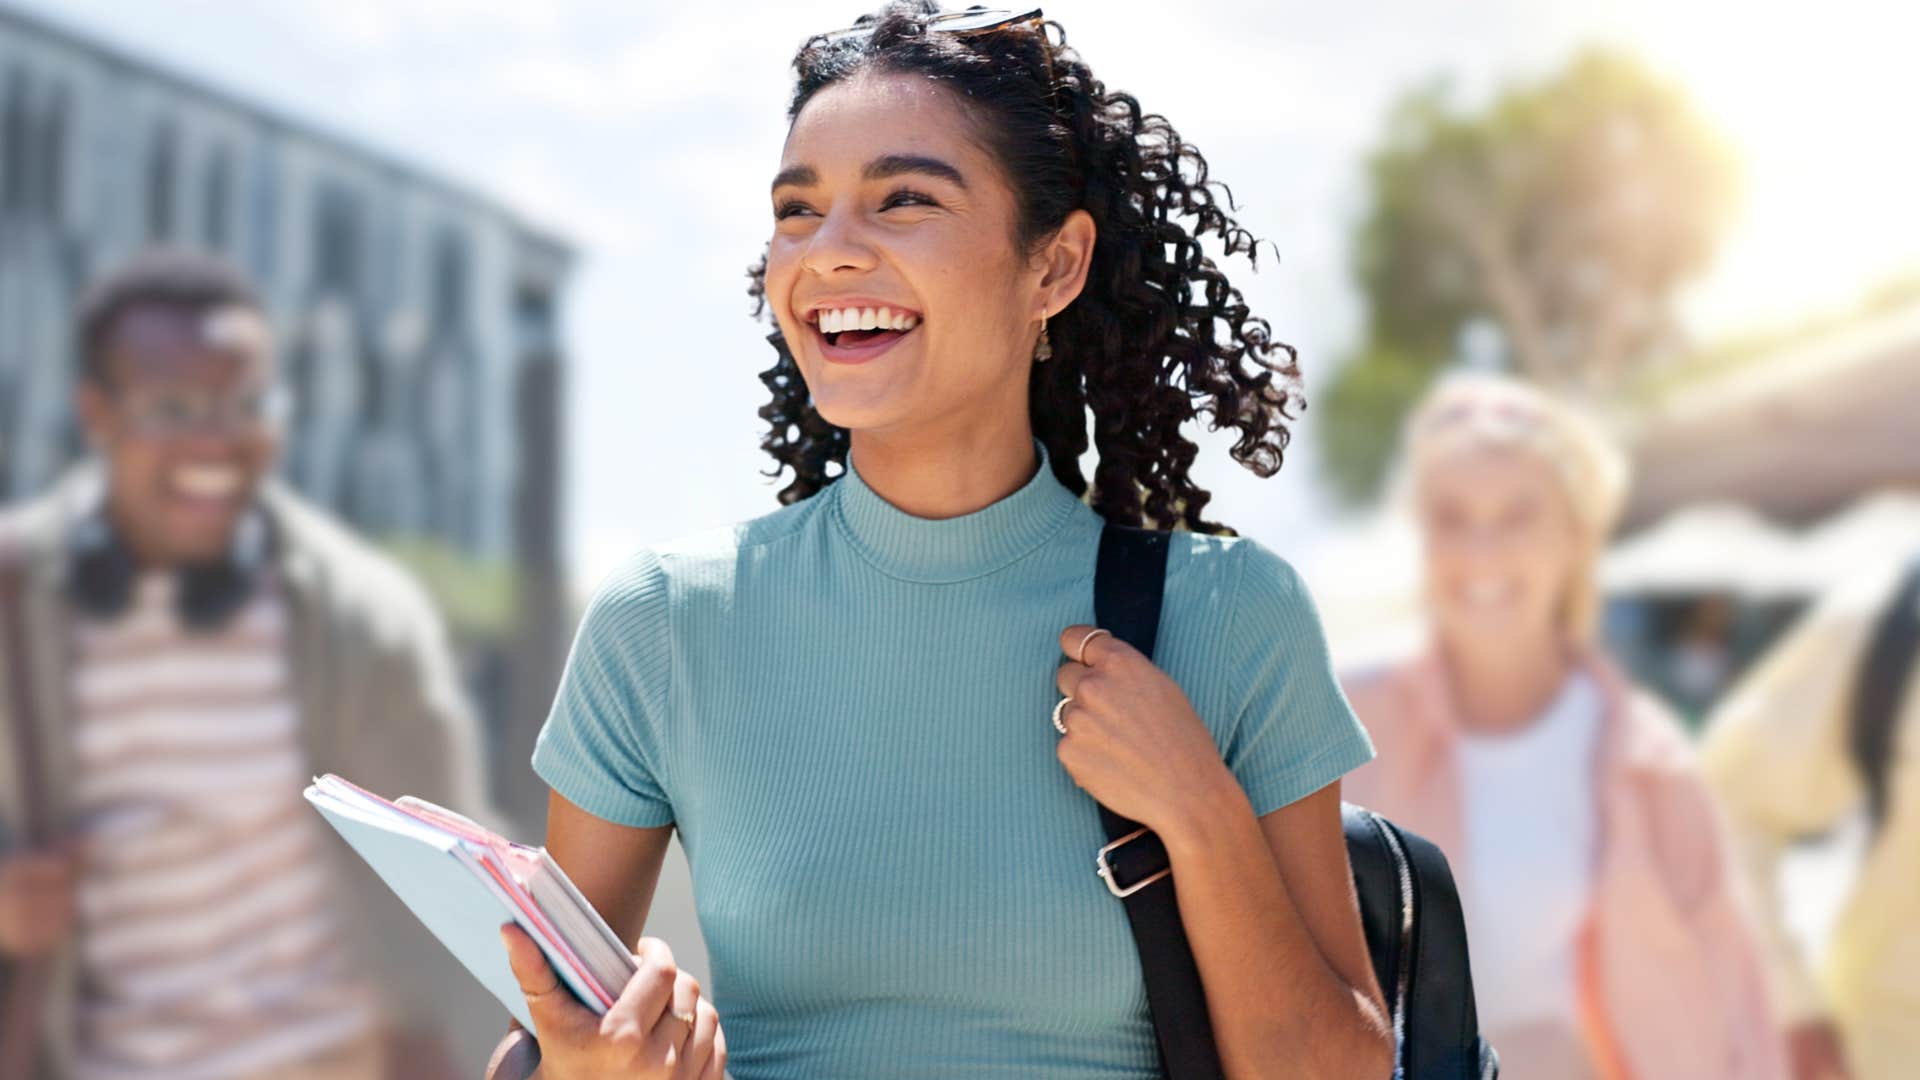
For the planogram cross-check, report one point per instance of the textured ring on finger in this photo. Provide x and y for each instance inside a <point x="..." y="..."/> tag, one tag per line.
<point x="1080" y="654"/>
<point x="1059" y="714"/>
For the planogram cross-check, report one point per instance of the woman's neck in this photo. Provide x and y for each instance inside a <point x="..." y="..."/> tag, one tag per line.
<point x="945" y="477"/>
<point x="1500" y="690"/>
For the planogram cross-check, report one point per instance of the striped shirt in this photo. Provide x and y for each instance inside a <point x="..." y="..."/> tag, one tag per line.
<point x="208" y="946"/>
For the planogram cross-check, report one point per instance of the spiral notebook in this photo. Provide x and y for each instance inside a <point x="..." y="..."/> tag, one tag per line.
<point x="464" y="882"/>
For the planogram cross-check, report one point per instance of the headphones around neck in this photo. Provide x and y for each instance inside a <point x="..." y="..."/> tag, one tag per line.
<point x="207" y="594"/>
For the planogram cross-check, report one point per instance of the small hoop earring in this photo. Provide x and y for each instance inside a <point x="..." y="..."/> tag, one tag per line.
<point x="1043" y="349"/>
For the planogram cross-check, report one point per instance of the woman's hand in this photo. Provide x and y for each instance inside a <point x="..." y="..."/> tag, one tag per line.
<point x="1133" y="741"/>
<point x="661" y="1028"/>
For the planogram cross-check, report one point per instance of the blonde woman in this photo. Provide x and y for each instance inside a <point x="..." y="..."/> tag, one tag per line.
<point x="1606" y="937"/>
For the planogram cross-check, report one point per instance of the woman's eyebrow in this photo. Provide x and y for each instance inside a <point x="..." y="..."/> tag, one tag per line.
<point x="796" y="175"/>
<point x="901" y="164"/>
<point x="880" y="168"/>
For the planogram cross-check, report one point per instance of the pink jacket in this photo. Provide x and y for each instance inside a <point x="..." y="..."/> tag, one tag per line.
<point x="1670" y="975"/>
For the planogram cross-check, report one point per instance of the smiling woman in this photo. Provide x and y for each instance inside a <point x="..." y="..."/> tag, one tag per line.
<point x="1608" y="937"/>
<point x="1157" y="335"/>
<point x="880" y="717"/>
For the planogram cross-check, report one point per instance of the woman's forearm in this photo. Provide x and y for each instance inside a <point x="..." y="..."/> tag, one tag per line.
<point x="1278" y="1007"/>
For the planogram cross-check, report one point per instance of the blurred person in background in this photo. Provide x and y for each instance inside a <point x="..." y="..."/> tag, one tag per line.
<point x="1700" y="661"/>
<point x="186" y="643"/>
<point x="1823" y="726"/>
<point x="1601" y="912"/>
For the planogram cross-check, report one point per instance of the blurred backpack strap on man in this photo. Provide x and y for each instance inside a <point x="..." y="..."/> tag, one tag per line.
<point x="23" y="983"/>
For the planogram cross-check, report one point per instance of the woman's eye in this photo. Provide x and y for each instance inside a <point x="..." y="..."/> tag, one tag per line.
<point x="907" y="198"/>
<point x="785" y="210"/>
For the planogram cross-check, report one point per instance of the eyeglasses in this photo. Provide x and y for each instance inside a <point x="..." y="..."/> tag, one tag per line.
<point x="975" y="20"/>
<point x="174" y="413"/>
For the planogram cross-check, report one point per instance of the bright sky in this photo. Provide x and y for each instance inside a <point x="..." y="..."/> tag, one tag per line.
<point x="647" y="134"/>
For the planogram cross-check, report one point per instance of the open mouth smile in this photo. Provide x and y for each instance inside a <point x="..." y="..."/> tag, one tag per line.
<point x="854" y="332"/>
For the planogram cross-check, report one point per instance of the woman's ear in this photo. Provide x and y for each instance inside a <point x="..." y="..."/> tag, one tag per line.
<point x="1064" y="261"/>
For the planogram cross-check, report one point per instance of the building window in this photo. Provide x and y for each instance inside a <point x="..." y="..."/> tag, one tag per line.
<point x="336" y="242"/>
<point x="263" y="210"/>
<point x="449" y="279"/>
<point x="216" y="199"/>
<point x="448" y="395"/>
<point x="160" y="184"/>
<point x="53" y="155"/>
<point x="16" y="134"/>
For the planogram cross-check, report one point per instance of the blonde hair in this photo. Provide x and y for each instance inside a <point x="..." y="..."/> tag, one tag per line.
<point x="1482" y="411"/>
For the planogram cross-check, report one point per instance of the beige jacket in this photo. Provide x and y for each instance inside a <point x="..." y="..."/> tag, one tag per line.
<point x="1776" y="753"/>
<point x="1669" y="979"/>
<point x="380" y="702"/>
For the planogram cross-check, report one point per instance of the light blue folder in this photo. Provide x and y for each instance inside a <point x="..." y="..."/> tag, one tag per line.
<point x="439" y="876"/>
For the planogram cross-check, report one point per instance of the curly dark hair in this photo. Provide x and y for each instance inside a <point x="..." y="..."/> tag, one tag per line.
<point x="1157" y="337"/>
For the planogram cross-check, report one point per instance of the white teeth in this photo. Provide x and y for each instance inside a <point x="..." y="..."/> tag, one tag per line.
<point x="840" y="320"/>
<point x="207" y="481"/>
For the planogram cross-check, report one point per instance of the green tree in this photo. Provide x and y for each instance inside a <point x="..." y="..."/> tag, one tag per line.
<point x="1555" y="225"/>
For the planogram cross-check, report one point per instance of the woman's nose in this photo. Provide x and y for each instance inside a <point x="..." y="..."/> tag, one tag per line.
<point x="840" y="243"/>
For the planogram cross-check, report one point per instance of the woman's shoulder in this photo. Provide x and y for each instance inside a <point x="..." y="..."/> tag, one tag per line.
<point x="1253" y="604"/>
<point x="725" y="543"/>
<point x="1235" y="571"/>
<point x="659" y="576"/>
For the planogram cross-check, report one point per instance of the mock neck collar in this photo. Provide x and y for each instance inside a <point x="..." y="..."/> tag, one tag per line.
<point x="937" y="551"/>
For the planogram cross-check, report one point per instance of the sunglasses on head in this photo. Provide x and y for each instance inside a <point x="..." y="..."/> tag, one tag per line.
<point x="975" y="20"/>
<point x="972" y="22"/>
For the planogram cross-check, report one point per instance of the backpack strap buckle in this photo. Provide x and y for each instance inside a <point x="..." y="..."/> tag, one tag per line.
<point x="1155" y="856"/>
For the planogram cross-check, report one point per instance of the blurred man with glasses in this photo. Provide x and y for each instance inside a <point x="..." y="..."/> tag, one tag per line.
<point x="184" y="643"/>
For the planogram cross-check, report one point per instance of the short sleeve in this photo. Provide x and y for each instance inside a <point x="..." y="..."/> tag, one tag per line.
<point x="600" y="747"/>
<point x="1294" y="732"/>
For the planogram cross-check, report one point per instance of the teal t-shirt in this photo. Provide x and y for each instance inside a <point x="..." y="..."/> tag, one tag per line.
<point x="845" y="711"/>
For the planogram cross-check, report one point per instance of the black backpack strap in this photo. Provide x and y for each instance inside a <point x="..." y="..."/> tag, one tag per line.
<point x="1383" y="886"/>
<point x="1417" y="936"/>
<point x="1881" y="689"/>
<point x="1442" y="1024"/>
<point x="1129" y="582"/>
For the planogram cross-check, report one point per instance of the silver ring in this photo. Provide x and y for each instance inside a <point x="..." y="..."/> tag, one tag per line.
<point x="1080" y="654"/>
<point x="1059" y="715"/>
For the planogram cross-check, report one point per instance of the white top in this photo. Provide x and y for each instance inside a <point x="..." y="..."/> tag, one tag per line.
<point x="1530" y="816"/>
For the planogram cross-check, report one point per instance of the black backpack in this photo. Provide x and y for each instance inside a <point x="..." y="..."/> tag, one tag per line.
<point x="1409" y="908"/>
<point x="1882" y="687"/>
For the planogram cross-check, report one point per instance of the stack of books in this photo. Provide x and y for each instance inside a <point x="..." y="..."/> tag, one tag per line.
<point x="465" y="882"/>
